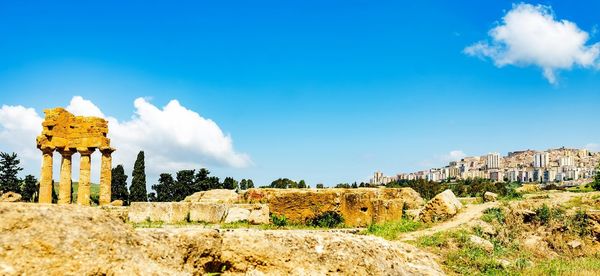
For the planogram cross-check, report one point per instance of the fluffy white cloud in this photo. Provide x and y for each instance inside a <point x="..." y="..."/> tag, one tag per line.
<point x="18" y="128"/>
<point x="531" y="35"/>
<point x="173" y="138"/>
<point x="82" y="107"/>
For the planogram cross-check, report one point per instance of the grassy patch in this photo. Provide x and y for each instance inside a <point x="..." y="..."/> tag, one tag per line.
<point x="576" y="266"/>
<point x="581" y="189"/>
<point x="391" y="230"/>
<point x="492" y="214"/>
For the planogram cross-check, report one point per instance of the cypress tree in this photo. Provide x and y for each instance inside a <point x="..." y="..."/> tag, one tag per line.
<point x="137" y="190"/>
<point x="30" y="189"/>
<point x="118" y="185"/>
<point x="249" y="183"/>
<point x="9" y="169"/>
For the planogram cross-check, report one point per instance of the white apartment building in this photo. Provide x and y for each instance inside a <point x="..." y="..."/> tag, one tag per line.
<point x="541" y="160"/>
<point x="492" y="161"/>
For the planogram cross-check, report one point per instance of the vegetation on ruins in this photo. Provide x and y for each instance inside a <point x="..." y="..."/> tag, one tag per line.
<point x="137" y="191"/>
<point x="327" y="219"/>
<point x="119" y="185"/>
<point x="391" y="230"/>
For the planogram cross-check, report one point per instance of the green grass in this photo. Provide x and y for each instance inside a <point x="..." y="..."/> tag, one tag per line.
<point x="247" y="225"/>
<point x="581" y="189"/>
<point x="575" y="266"/>
<point x="392" y="229"/>
<point x="491" y="214"/>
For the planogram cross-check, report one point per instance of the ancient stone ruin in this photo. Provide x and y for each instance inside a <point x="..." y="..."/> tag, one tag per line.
<point x="69" y="134"/>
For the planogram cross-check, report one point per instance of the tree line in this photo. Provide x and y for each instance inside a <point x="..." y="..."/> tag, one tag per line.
<point x="168" y="188"/>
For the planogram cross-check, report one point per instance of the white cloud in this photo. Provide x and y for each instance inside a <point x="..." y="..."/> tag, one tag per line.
<point x="531" y="35"/>
<point x="172" y="137"/>
<point x="18" y="128"/>
<point x="82" y="107"/>
<point x="442" y="160"/>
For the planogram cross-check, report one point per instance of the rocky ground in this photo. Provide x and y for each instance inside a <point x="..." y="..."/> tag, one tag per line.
<point x="38" y="239"/>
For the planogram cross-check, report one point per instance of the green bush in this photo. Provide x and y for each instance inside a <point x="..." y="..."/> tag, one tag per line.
<point x="494" y="213"/>
<point x="327" y="219"/>
<point x="279" y="221"/>
<point x="579" y="223"/>
<point x="546" y="214"/>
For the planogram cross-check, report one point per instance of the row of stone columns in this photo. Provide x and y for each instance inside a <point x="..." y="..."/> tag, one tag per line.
<point x="83" y="192"/>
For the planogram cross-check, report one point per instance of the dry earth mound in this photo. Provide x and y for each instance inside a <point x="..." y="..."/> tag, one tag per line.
<point x="38" y="239"/>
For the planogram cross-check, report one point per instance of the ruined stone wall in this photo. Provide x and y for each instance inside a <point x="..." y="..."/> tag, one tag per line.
<point x="62" y="129"/>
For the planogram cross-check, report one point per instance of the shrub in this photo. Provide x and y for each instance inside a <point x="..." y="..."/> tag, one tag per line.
<point x="494" y="213"/>
<point x="579" y="223"/>
<point x="327" y="219"/>
<point x="545" y="214"/>
<point x="279" y="221"/>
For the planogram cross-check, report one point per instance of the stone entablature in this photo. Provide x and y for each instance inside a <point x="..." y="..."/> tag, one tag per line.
<point x="69" y="134"/>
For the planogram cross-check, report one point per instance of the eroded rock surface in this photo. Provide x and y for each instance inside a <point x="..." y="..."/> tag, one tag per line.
<point x="443" y="206"/>
<point x="73" y="240"/>
<point x="359" y="207"/>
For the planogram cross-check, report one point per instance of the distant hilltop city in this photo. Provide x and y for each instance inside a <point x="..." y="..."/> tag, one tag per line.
<point x="551" y="166"/>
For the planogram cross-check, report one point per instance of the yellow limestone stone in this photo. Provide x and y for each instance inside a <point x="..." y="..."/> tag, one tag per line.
<point x="64" y="194"/>
<point x="66" y="133"/>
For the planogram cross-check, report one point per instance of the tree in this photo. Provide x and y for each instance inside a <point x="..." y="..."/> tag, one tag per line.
<point x="230" y="183"/>
<point x="596" y="183"/>
<point x="354" y="185"/>
<point x="118" y="185"/>
<point x="320" y="186"/>
<point x="137" y="190"/>
<point x="250" y="183"/>
<point x="9" y="169"/>
<point x="164" y="189"/>
<point x="243" y="184"/>
<point x="283" y="183"/>
<point x="302" y="184"/>
<point x="183" y="185"/>
<point x="30" y="188"/>
<point x="201" y="181"/>
<point x="213" y="183"/>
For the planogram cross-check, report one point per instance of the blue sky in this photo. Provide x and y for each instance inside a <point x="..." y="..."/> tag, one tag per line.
<point x="327" y="91"/>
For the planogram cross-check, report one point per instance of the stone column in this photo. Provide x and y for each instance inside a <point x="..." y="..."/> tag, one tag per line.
<point x="45" y="195"/>
<point x="83" y="192"/>
<point x="64" y="188"/>
<point x="106" y="176"/>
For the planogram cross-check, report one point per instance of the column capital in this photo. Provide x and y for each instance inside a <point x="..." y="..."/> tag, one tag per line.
<point x="66" y="152"/>
<point x="107" y="151"/>
<point x="47" y="150"/>
<point x="86" y="151"/>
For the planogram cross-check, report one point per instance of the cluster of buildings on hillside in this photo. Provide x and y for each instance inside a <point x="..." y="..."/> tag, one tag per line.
<point x="554" y="165"/>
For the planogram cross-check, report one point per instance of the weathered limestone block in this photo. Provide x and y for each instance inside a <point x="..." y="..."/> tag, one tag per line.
<point x="489" y="196"/>
<point x="387" y="210"/>
<point x="168" y="212"/>
<point x="117" y="202"/>
<point x="214" y="196"/>
<point x="235" y="214"/>
<point x="443" y="206"/>
<point x="355" y="205"/>
<point x="207" y="212"/>
<point x="259" y="213"/>
<point x="10" y="197"/>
